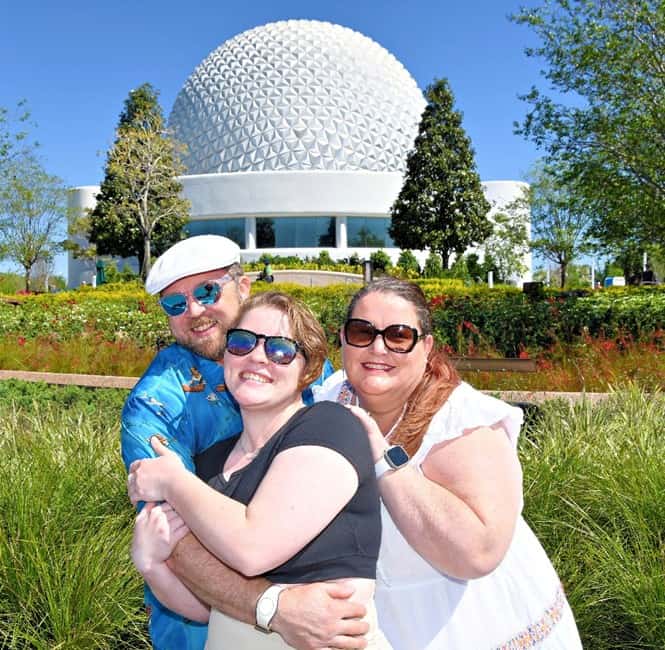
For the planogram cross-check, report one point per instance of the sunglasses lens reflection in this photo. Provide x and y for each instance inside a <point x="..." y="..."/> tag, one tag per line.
<point x="174" y="304"/>
<point x="280" y="350"/>
<point x="360" y="333"/>
<point x="207" y="293"/>
<point x="399" y="337"/>
<point x="240" y="342"/>
<point x="277" y="349"/>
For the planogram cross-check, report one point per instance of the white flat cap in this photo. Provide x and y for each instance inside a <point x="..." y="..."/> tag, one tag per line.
<point x="189" y="257"/>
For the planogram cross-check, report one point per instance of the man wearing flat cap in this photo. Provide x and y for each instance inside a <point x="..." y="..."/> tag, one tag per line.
<point x="181" y="398"/>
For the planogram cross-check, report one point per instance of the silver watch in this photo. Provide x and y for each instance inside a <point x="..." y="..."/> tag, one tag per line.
<point x="266" y="606"/>
<point x="393" y="458"/>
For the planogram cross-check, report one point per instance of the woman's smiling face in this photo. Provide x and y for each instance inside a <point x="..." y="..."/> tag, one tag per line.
<point x="375" y="371"/>
<point x="254" y="380"/>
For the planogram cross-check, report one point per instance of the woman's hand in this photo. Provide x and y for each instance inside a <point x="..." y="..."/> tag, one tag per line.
<point x="157" y="530"/>
<point x="377" y="442"/>
<point x="149" y="478"/>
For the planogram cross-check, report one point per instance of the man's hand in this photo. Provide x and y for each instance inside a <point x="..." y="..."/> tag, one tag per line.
<point x="320" y="615"/>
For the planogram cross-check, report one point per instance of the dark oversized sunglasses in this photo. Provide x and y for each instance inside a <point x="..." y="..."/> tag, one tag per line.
<point x="278" y="349"/>
<point x="361" y="333"/>
<point x="206" y="293"/>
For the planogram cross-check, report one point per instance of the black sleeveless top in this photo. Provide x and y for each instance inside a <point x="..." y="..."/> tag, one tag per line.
<point x="349" y="546"/>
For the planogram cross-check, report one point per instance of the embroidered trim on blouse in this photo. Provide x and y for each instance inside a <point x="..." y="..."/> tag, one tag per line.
<point x="346" y="394"/>
<point x="540" y="629"/>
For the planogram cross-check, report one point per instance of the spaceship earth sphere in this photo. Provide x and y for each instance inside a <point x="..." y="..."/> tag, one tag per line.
<point x="297" y="95"/>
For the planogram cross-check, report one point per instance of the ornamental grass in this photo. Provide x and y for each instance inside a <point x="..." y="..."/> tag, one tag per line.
<point x="66" y="579"/>
<point x="593" y="490"/>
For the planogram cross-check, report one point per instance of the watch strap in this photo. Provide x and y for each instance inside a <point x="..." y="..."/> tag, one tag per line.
<point x="381" y="467"/>
<point x="266" y="607"/>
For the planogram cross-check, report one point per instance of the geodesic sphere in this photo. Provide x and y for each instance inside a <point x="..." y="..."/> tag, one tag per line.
<point x="300" y="95"/>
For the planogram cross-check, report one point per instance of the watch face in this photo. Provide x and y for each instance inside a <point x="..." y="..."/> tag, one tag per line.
<point x="396" y="456"/>
<point x="266" y="606"/>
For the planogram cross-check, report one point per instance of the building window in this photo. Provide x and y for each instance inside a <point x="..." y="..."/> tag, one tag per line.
<point x="368" y="232"/>
<point x="295" y="232"/>
<point x="234" y="229"/>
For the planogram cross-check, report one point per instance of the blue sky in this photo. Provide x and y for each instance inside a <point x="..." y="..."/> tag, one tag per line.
<point x="75" y="62"/>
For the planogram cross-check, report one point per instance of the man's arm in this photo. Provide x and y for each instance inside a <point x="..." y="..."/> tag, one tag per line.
<point x="215" y="583"/>
<point x="311" y="616"/>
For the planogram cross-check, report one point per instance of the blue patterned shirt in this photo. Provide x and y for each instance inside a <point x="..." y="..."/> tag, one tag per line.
<point x="183" y="398"/>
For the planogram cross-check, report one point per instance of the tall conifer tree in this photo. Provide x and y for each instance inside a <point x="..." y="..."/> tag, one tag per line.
<point x="441" y="205"/>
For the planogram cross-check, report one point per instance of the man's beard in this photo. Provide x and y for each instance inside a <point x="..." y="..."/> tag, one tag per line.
<point x="211" y="347"/>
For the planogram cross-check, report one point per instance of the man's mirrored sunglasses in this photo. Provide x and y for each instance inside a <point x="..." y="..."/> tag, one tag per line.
<point x="400" y="338"/>
<point x="206" y="293"/>
<point x="278" y="349"/>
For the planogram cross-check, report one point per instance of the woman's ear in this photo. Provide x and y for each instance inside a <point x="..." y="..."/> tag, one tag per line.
<point x="428" y="343"/>
<point x="341" y="335"/>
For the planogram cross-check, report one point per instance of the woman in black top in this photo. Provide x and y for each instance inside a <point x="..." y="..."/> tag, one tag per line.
<point x="299" y="501"/>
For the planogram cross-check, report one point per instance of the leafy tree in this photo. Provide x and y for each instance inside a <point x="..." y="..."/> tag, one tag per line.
<point x="628" y="260"/>
<point x="505" y="249"/>
<point x="33" y="214"/>
<point x="324" y="259"/>
<point x="459" y="270"/>
<point x="441" y="205"/>
<point x="433" y="267"/>
<point x="139" y="210"/>
<point x="603" y="122"/>
<point x="113" y="274"/>
<point x="407" y="261"/>
<point x="475" y="268"/>
<point x="559" y="233"/>
<point x="380" y="260"/>
<point x="14" y="138"/>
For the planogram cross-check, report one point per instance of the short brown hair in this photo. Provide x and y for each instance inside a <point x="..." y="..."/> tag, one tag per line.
<point x="305" y="328"/>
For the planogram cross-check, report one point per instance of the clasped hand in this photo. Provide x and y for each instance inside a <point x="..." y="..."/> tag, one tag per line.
<point x="157" y="530"/>
<point x="149" y="478"/>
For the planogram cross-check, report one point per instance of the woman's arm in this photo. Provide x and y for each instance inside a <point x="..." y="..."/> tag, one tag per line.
<point x="157" y="530"/>
<point x="303" y="490"/>
<point x="460" y="513"/>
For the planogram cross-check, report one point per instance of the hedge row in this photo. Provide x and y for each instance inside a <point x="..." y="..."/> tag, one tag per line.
<point x="468" y="320"/>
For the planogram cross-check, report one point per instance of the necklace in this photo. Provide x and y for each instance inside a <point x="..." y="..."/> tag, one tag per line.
<point x="346" y="399"/>
<point x="394" y="426"/>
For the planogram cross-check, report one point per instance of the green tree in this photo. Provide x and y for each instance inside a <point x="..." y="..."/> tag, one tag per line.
<point x="380" y="260"/>
<point x="14" y="137"/>
<point x="601" y="121"/>
<point x="441" y="205"/>
<point x="324" y="259"/>
<point x="33" y="214"/>
<point x="559" y="232"/>
<point x="408" y="262"/>
<point x="507" y="246"/>
<point x="433" y="268"/>
<point x="139" y="209"/>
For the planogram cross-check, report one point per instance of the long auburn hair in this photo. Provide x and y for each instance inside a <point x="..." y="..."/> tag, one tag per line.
<point x="439" y="378"/>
